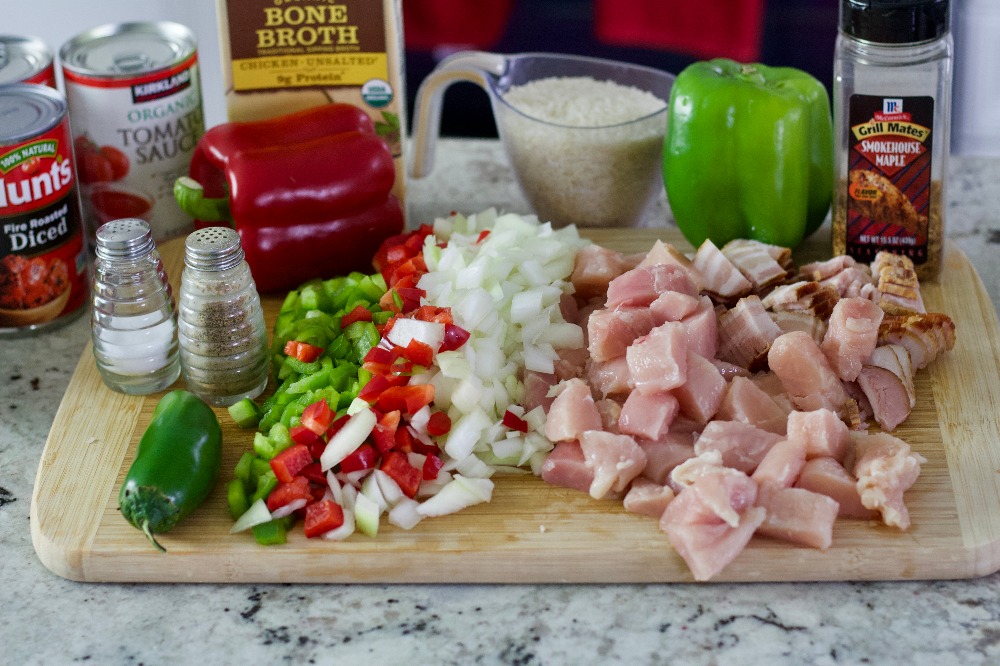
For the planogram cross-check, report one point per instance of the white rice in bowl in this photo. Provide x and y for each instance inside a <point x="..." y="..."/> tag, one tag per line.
<point x="587" y="163"/>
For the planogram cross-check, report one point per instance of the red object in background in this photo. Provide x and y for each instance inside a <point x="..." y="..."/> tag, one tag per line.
<point x="431" y="24"/>
<point x="703" y="28"/>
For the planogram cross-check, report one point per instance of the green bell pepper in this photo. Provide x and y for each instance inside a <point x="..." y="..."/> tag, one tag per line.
<point x="748" y="153"/>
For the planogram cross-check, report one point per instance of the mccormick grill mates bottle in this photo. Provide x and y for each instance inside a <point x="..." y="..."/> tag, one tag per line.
<point x="892" y="107"/>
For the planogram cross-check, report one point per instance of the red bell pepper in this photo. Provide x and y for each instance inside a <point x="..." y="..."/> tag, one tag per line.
<point x="322" y="517"/>
<point x="309" y="193"/>
<point x="289" y="463"/>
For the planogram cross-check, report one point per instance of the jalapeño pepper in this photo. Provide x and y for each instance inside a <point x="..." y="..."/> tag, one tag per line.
<point x="748" y="153"/>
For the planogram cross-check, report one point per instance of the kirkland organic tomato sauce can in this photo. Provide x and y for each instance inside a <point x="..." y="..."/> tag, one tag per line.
<point x="26" y="60"/>
<point x="43" y="257"/>
<point x="135" y="99"/>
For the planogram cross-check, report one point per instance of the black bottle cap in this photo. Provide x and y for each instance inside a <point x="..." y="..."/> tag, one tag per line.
<point x="895" y="21"/>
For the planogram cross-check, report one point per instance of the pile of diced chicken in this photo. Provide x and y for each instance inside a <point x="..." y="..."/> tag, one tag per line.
<point x="729" y="394"/>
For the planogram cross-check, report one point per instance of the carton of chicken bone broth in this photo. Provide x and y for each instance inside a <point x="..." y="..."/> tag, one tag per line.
<point x="134" y="97"/>
<point x="280" y="56"/>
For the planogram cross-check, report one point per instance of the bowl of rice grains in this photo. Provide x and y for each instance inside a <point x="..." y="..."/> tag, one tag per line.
<point x="584" y="136"/>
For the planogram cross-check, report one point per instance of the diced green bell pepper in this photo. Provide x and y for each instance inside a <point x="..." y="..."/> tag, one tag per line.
<point x="748" y="153"/>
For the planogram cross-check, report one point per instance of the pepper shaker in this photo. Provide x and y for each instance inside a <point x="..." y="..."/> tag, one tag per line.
<point x="223" y="340"/>
<point x="133" y="322"/>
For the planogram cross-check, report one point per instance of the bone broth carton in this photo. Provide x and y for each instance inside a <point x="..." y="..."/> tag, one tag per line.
<point x="282" y="56"/>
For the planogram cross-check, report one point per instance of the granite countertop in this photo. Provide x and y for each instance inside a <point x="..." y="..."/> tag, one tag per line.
<point x="45" y="619"/>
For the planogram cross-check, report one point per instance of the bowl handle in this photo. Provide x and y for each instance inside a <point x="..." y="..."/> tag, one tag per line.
<point x="477" y="67"/>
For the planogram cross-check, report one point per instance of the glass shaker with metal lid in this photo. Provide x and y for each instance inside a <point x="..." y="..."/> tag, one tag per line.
<point x="134" y="327"/>
<point x="223" y="340"/>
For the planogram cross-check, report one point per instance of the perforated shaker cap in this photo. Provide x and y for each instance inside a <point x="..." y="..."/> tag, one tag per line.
<point x="213" y="249"/>
<point x="128" y="238"/>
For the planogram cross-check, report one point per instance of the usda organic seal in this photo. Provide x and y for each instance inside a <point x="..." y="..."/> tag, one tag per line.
<point x="376" y="92"/>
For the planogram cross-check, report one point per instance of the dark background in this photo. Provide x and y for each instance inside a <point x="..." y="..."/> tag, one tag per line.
<point x="796" y="33"/>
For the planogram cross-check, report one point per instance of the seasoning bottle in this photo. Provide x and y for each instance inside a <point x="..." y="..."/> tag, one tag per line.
<point x="224" y="354"/>
<point x="134" y="326"/>
<point x="891" y="110"/>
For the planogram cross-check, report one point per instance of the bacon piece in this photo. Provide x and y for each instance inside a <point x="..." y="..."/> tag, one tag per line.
<point x="723" y="281"/>
<point x="746" y="402"/>
<point x="885" y="469"/>
<point x="797" y="515"/>
<point x="897" y="284"/>
<point x="781" y="465"/>
<point x="821" y="433"/>
<point x="746" y="332"/>
<point x="758" y="262"/>
<point x="820" y="270"/>
<point x="647" y="498"/>
<point x="572" y="412"/>
<point x="850" y="282"/>
<point x="805" y="296"/>
<point x="641" y="286"/>
<point x="742" y="445"/>
<point x="828" y="477"/>
<point x="610" y="332"/>
<point x="791" y="320"/>
<point x="805" y="373"/>
<point x="923" y="335"/>
<point x="851" y="335"/>
<point x="614" y="459"/>
<point x="647" y="414"/>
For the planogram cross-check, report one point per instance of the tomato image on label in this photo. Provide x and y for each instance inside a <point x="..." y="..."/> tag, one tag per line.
<point x="99" y="164"/>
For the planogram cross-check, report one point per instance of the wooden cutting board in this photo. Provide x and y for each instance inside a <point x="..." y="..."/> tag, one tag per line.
<point x="532" y="532"/>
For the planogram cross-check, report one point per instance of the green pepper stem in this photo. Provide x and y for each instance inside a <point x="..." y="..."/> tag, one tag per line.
<point x="190" y="195"/>
<point x="152" y="539"/>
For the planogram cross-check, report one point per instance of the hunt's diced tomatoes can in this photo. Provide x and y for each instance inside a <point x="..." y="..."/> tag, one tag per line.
<point x="135" y="100"/>
<point x="43" y="257"/>
<point x="26" y="60"/>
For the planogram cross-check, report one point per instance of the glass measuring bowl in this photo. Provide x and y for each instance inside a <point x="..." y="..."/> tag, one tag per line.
<point x="595" y="175"/>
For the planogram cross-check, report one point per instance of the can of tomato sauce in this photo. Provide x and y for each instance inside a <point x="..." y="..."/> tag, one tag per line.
<point x="26" y="60"/>
<point x="44" y="276"/>
<point x="135" y="100"/>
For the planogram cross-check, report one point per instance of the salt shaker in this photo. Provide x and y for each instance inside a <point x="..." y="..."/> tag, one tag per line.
<point x="223" y="341"/>
<point x="134" y="326"/>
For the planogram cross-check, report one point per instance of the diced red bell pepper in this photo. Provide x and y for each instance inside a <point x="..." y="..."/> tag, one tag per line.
<point x="419" y="353"/>
<point x="384" y="432"/>
<point x="434" y="314"/>
<point x="336" y="426"/>
<point x="314" y="472"/>
<point x="359" y="313"/>
<point x="303" y="435"/>
<point x="404" y="440"/>
<point x="290" y="462"/>
<point x="514" y="422"/>
<point x="432" y="465"/>
<point x="398" y="467"/>
<point x="454" y="337"/>
<point x="321" y="517"/>
<point x="317" y="417"/>
<point x="439" y="423"/>
<point x="482" y="235"/>
<point x="302" y="351"/>
<point x="363" y="457"/>
<point x="407" y="399"/>
<point x="286" y="493"/>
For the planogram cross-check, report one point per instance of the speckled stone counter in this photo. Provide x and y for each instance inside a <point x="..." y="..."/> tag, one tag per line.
<point x="45" y="619"/>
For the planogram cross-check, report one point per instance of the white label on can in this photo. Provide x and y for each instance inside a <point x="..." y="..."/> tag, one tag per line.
<point x="132" y="139"/>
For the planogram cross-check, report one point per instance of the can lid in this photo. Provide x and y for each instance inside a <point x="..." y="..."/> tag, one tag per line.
<point x="128" y="48"/>
<point x="22" y="57"/>
<point x="27" y="110"/>
<point x="895" y="21"/>
<point x="128" y="238"/>
<point x="213" y="249"/>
